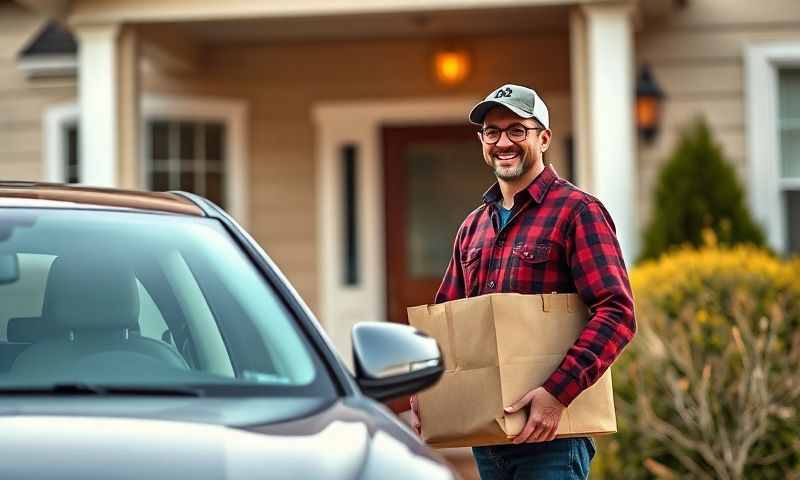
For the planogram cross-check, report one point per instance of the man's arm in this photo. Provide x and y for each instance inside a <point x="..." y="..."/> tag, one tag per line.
<point x="452" y="286"/>
<point x="598" y="270"/>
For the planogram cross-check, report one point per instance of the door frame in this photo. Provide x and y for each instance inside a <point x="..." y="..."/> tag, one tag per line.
<point x="340" y="306"/>
<point x="394" y="144"/>
<point x="359" y="123"/>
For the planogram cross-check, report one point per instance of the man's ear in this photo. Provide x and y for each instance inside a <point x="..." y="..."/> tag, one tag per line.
<point x="544" y="139"/>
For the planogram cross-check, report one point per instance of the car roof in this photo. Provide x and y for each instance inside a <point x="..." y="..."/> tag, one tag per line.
<point x="56" y="195"/>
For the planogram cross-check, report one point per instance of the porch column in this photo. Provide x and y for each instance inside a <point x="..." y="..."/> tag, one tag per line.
<point x="108" y="99"/>
<point x="602" y="83"/>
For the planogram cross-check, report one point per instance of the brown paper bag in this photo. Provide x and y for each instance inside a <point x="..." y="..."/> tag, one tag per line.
<point x="496" y="348"/>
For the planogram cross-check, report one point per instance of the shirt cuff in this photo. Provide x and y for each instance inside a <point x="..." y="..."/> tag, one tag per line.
<point x="563" y="386"/>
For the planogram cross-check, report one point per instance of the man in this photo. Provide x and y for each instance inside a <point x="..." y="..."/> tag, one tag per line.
<point x="536" y="233"/>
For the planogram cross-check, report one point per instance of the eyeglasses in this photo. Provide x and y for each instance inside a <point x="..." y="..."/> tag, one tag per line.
<point x="515" y="133"/>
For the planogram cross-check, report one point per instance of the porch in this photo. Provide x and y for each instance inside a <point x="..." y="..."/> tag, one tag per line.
<point x="292" y="86"/>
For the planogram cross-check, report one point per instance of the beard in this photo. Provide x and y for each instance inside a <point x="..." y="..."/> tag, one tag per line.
<point x="524" y="164"/>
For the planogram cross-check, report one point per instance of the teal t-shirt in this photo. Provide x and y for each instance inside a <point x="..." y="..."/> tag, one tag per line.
<point x="505" y="215"/>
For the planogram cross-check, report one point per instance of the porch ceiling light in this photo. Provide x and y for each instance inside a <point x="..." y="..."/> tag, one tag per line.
<point x="649" y="97"/>
<point x="451" y="66"/>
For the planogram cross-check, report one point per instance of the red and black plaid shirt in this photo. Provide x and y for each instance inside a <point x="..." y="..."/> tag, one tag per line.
<point x="559" y="239"/>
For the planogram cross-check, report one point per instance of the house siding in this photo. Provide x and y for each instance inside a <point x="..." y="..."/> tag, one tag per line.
<point x="24" y="102"/>
<point x="697" y="56"/>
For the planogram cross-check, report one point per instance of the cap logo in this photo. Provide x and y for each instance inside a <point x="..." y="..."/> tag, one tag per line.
<point x="503" y="92"/>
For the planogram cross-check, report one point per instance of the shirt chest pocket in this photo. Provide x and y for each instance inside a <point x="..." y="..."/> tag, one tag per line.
<point x="470" y="261"/>
<point x="530" y="266"/>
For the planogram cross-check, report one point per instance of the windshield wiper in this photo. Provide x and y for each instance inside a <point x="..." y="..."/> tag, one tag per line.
<point x="102" y="390"/>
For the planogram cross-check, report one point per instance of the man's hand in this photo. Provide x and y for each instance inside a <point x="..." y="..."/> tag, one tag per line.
<point x="416" y="424"/>
<point x="543" y="416"/>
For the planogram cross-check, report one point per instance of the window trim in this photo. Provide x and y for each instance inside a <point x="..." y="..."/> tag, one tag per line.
<point x="233" y="113"/>
<point x="56" y="118"/>
<point x="762" y="62"/>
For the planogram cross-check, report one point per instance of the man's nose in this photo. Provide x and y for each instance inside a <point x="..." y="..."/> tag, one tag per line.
<point x="504" y="141"/>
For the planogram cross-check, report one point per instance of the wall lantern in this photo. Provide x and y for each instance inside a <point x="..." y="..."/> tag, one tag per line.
<point x="649" y="97"/>
<point x="451" y="66"/>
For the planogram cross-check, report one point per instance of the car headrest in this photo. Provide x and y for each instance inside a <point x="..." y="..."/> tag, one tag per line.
<point x="91" y="292"/>
<point x="29" y="329"/>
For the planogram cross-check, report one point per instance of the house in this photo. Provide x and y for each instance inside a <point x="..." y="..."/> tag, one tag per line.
<point x="323" y="128"/>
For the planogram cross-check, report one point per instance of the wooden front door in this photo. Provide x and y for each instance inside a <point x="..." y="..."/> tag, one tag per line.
<point x="434" y="176"/>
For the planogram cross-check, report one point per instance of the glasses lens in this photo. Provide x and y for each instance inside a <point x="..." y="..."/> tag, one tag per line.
<point x="491" y="135"/>
<point x="517" y="134"/>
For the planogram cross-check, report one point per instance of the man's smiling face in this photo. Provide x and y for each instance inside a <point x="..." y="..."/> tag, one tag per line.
<point x="511" y="160"/>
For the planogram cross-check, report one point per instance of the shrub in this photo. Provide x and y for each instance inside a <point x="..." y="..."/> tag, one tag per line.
<point x="696" y="190"/>
<point x="710" y="388"/>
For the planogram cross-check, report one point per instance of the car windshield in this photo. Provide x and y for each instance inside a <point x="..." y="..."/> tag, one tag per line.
<point x="105" y="299"/>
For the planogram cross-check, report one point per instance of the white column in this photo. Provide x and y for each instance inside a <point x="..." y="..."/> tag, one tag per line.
<point x="580" y="101"/>
<point x="610" y="144"/>
<point x="98" y="100"/>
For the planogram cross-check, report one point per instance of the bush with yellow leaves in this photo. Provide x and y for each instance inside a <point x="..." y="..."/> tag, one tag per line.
<point x="710" y="388"/>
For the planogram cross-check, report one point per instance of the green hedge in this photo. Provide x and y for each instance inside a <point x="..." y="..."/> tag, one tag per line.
<point x="710" y="387"/>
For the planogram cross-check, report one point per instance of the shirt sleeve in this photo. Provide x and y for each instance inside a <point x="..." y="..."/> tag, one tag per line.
<point x="598" y="270"/>
<point x="452" y="286"/>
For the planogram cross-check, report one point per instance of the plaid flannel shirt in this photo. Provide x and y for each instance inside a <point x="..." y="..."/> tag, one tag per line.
<point x="559" y="239"/>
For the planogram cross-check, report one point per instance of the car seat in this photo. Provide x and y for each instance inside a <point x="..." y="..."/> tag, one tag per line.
<point x="92" y="305"/>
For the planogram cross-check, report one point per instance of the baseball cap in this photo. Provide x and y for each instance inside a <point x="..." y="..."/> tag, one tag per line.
<point x="523" y="101"/>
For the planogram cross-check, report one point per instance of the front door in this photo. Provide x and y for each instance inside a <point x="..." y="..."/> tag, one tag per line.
<point x="434" y="176"/>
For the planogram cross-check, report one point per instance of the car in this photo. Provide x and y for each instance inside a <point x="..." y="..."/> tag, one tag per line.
<point x="147" y="335"/>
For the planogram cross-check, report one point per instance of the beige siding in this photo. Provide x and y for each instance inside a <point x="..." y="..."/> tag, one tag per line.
<point x="281" y="83"/>
<point x="697" y="56"/>
<point x="23" y="102"/>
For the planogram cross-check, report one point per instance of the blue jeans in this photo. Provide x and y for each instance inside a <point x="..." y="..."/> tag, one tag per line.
<point x="562" y="459"/>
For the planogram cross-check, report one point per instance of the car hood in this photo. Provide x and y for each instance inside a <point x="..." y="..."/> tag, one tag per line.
<point x="328" y="445"/>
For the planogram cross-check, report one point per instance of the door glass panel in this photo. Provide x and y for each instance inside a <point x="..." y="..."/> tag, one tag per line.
<point x="159" y="140"/>
<point x="445" y="182"/>
<point x="187" y="133"/>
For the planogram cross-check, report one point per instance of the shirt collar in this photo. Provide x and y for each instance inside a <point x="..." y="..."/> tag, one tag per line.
<point x="536" y="190"/>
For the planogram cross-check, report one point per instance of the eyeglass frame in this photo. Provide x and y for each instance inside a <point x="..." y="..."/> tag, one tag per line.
<point x="505" y="130"/>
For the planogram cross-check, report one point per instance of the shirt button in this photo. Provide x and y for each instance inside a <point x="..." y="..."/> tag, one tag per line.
<point x="500" y="242"/>
<point x="490" y="284"/>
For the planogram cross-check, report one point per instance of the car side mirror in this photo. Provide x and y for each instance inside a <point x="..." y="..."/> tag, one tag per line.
<point x="9" y="268"/>
<point x="392" y="360"/>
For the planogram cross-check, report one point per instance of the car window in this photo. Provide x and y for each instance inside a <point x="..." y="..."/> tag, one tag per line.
<point x="133" y="298"/>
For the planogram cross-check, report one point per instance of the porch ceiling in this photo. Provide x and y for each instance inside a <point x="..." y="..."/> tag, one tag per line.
<point x="434" y="24"/>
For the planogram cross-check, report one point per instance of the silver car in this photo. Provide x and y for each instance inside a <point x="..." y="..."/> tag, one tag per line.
<point x="148" y="336"/>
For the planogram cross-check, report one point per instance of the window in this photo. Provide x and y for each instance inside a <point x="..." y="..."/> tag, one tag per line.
<point x="772" y="94"/>
<point x="187" y="155"/>
<point x="194" y="144"/>
<point x="789" y="127"/>
<point x="62" y="150"/>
